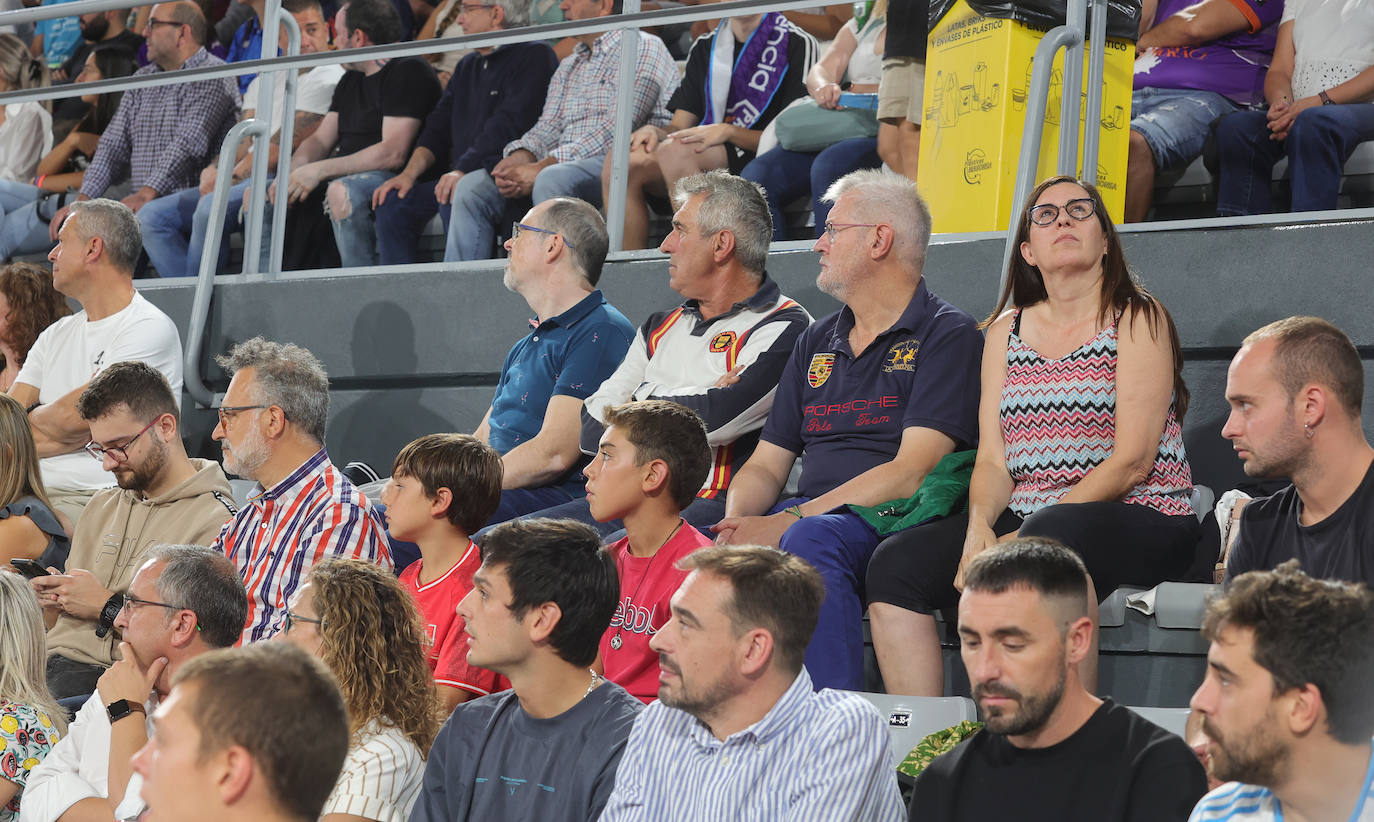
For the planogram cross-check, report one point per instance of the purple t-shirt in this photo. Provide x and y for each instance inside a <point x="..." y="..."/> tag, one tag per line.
<point x="846" y="414"/>
<point x="1233" y="65"/>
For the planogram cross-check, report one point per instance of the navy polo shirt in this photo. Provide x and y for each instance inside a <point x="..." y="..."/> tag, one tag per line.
<point x="845" y="414"/>
<point x="570" y="354"/>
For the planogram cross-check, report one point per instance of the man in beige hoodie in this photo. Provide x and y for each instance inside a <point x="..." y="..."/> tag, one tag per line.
<point x="164" y="497"/>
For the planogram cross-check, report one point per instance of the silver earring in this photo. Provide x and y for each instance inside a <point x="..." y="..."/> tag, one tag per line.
<point x="1307" y="429"/>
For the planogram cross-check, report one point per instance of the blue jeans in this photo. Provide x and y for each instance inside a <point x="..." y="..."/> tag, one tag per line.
<point x="22" y="231"/>
<point x="354" y="232"/>
<point x="478" y="206"/>
<point x="839" y="546"/>
<point x="1175" y="122"/>
<point x="400" y="221"/>
<point x="1319" y="142"/>
<point x="166" y="224"/>
<point x="786" y="174"/>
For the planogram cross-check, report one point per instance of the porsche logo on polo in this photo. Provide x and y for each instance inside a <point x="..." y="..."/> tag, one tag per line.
<point x="902" y="356"/>
<point x="722" y="342"/>
<point x="819" y="372"/>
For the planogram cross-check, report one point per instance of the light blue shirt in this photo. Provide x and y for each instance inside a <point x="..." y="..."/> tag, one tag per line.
<point x="1238" y="802"/>
<point x="813" y="757"/>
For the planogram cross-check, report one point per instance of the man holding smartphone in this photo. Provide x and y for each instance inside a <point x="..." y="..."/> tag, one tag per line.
<point x="163" y="497"/>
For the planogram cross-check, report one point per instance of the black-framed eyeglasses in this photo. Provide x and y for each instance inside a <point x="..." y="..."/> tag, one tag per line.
<point x="154" y="22"/>
<point x="119" y="453"/>
<point x="132" y="602"/>
<point x="831" y="229"/>
<point x="1046" y="213"/>
<point x="290" y="618"/>
<point x="516" y="228"/>
<point x="227" y="412"/>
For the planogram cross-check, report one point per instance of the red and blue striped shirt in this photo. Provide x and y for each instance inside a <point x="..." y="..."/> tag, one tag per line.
<point x="279" y="535"/>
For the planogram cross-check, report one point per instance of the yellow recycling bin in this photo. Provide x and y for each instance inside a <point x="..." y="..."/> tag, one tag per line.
<point x="978" y="72"/>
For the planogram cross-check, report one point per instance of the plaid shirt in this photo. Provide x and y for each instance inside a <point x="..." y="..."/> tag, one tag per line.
<point x="313" y="514"/>
<point x="161" y="137"/>
<point x="578" y="120"/>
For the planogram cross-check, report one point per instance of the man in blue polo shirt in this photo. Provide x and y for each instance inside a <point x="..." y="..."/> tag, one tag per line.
<point x="871" y="399"/>
<point x="555" y="258"/>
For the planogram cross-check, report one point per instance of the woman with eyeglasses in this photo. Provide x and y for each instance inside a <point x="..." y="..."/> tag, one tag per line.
<point x="30" y="720"/>
<point x="28" y="527"/>
<point x="363" y="625"/>
<point x="1079" y="437"/>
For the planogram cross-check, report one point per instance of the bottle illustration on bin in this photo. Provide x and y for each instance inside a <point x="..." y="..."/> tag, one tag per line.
<point x="1111" y="121"/>
<point x="952" y="100"/>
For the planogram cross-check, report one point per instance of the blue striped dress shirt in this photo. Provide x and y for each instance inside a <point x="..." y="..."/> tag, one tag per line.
<point x="813" y="757"/>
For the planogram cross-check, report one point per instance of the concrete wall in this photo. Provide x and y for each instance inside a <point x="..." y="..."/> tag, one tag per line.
<point x="416" y="351"/>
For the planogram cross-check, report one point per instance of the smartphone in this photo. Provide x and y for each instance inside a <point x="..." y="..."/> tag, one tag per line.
<point x="29" y="568"/>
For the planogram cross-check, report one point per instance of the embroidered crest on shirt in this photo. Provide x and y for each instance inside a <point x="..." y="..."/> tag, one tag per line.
<point x="819" y="372"/>
<point x="902" y="356"/>
<point x="722" y="342"/>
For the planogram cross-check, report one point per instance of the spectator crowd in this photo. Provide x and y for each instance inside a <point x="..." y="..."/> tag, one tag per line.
<point x="637" y="590"/>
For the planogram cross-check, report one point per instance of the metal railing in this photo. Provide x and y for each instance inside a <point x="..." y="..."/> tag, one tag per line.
<point x="1070" y="38"/>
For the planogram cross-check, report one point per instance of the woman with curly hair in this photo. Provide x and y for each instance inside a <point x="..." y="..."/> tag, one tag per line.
<point x="28" y="527"/>
<point x="28" y="304"/>
<point x="30" y="720"/>
<point x="361" y="623"/>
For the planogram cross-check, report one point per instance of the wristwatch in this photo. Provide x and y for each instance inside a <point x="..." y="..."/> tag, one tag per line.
<point x="113" y="606"/>
<point x="1325" y="98"/>
<point x="121" y="708"/>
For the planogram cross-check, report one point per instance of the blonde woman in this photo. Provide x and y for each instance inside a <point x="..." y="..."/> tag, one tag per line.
<point x="28" y="527"/>
<point x="25" y="128"/>
<point x="361" y="623"/>
<point x="30" y="720"/>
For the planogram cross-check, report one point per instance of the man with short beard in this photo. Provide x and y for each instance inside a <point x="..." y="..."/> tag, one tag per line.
<point x="163" y="497"/>
<point x="1295" y="389"/>
<point x="271" y="427"/>
<point x="1286" y="700"/>
<point x="738" y="731"/>
<point x="1049" y="749"/>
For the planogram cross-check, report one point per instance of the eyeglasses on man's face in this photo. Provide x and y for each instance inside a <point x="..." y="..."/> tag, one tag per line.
<point x="831" y="229"/>
<point x="133" y="603"/>
<point x="228" y="412"/>
<point x="516" y="228"/>
<point x="118" y="453"/>
<point x="1079" y="209"/>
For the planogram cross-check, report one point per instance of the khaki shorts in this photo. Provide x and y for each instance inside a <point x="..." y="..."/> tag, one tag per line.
<point x="899" y="93"/>
<point x="71" y="501"/>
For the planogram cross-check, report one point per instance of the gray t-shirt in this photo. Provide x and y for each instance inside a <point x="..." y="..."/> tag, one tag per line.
<point x="491" y="760"/>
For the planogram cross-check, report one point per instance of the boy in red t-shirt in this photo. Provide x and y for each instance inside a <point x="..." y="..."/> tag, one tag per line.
<point x="444" y="487"/>
<point x="652" y="460"/>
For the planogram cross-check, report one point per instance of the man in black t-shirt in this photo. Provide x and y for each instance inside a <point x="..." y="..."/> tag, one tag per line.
<point x="377" y="111"/>
<point x="904" y="73"/>
<point x="761" y="61"/>
<point x="1049" y="749"/>
<point x="1295" y="390"/>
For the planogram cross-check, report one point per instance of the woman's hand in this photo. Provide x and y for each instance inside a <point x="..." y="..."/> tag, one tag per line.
<point x="827" y="96"/>
<point x="980" y="537"/>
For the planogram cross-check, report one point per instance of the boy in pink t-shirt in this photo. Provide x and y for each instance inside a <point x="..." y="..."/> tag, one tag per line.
<point x="444" y="487"/>
<point x="652" y="460"/>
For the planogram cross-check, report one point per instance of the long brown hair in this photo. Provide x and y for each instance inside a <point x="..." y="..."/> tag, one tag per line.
<point x="373" y="642"/>
<point x="19" y="476"/>
<point x="1122" y="293"/>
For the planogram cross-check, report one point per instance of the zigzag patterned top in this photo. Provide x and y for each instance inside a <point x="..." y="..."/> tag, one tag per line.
<point x="1059" y="421"/>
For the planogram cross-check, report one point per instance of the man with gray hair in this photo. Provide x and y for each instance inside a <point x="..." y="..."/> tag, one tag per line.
<point x="494" y="96"/>
<point x="271" y="428"/>
<point x="873" y="397"/>
<point x="184" y="600"/>
<point x="722" y="351"/>
<point x="92" y="263"/>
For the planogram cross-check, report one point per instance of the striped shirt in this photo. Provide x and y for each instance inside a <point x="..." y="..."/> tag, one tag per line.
<point x="1236" y="801"/>
<point x="312" y="514"/>
<point x="381" y="776"/>
<point x="814" y="756"/>
<point x="579" y="111"/>
<point x="162" y="136"/>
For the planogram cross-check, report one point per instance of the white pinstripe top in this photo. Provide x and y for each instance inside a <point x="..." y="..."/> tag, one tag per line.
<point x="381" y="776"/>
<point x="814" y="757"/>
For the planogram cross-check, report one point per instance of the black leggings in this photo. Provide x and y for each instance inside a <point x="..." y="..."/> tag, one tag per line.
<point x="1121" y="543"/>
